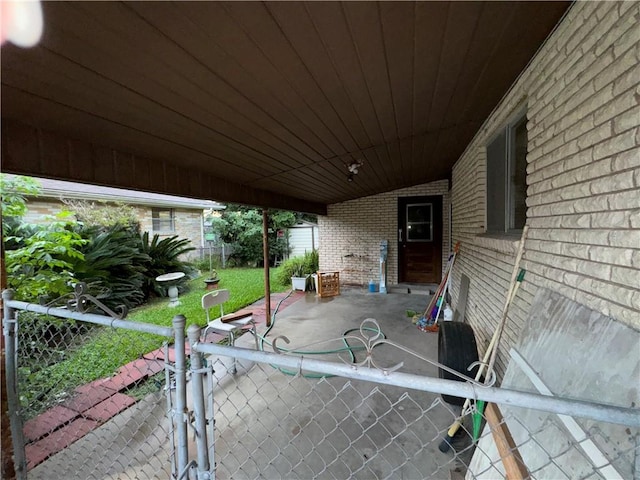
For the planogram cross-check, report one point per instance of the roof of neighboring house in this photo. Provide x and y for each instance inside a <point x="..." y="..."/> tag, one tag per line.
<point x="81" y="191"/>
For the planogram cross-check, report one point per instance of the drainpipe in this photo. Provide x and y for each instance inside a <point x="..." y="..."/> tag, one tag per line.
<point x="265" y="254"/>
<point x="201" y="233"/>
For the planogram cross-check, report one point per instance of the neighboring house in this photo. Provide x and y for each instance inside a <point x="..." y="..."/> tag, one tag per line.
<point x="303" y="237"/>
<point x="165" y="215"/>
<point x="561" y="152"/>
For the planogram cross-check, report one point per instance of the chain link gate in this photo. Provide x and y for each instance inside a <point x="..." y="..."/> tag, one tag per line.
<point x="129" y="423"/>
<point x="280" y="416"/>
<point x="285" y="416"/>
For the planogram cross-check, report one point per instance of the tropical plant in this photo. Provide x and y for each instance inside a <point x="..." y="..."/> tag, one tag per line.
<point x="113" y="266"/>
<point x="298" y="267"/>
<point x="164" y="258"/>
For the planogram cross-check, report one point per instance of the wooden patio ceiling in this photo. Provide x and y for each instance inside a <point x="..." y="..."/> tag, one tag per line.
<point x="261" y="103"/>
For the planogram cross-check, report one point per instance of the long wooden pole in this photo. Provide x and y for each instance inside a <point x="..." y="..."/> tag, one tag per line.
<point x="514" y="466"/>
<point x="265" y="254"/>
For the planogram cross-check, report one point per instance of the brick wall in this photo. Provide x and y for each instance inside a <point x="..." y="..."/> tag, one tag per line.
<point x="582" y="95"/>
<point x="38" y="209"/>
<point x="351" y="232"/>
<point x="187" y="222"/>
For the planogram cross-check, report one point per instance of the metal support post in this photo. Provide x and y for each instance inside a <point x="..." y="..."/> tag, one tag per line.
<point x="265" y="255"/>
<point x="10" y="324"/>
<point x="180" y="413"/>
<point x="197" y="374"/>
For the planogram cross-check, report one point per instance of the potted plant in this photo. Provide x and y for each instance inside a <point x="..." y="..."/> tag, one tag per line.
<point x="211" y="283"/>
<point x="299" y="278"/>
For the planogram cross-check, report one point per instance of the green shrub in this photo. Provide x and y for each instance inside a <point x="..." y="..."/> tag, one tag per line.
<point x="113" y="266"/>
<point x="311" y="262"/>
<point x="298" y="267"/>
<point x="43" y="265"/>
<point x="104" y="214"/>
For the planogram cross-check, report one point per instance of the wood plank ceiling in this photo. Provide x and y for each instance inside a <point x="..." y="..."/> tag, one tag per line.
<point x="269" y="102"/>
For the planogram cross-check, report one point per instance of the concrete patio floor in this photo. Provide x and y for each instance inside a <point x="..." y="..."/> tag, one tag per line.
<point x="303" y="322"/>
<point x="367" y="421"/>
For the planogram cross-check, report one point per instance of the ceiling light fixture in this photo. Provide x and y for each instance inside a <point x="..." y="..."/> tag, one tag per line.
<point x="353" y="168"/>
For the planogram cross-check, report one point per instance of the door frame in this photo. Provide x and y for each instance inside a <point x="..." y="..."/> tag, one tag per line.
<point x="400" y="225"/>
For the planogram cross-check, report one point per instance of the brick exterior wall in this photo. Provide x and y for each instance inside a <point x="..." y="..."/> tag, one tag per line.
<point x="351" y="232"/>
<point x="582" y="97"/>
<point x="187" y="221"/>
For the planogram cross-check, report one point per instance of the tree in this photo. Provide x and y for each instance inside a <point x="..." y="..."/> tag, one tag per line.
<point x="43" y="264"/>
<point x="14" y="204"/>
<point x="38" y="260"/>
<point x="241" y="227"/>
<point x="104" y="215"/>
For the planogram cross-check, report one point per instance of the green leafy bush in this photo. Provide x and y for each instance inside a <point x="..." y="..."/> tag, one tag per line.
<point x="44" y="263"/>
<point x="242" y="228"/>
<point x="298" y="267"/>
<point x="103" y="214"/>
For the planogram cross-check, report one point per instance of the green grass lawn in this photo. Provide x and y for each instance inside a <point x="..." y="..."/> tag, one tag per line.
<point x="108" y="349"/>
<point x="246" y="285"/>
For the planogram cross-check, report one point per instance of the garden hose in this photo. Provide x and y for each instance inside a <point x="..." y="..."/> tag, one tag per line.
<point x="262" y="339"/>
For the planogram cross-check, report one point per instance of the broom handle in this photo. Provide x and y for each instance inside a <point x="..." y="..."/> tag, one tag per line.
<point x="516" y="279"/>
<point x="511" y="293"/>
<point x="447" y="272"/>
<point x="516" y="267"/>
<point x="487" y="354"/>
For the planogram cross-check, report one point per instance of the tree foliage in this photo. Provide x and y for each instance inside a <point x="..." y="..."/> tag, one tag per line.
<point x="13" y="193"/>
<point x="164" y="257"/>
<point x="103" y="249"/>
<point x="104" y="214"/>
<point x="44" y="263"/>
<point x="14" y="190"/>
<point x="242" y="228"/>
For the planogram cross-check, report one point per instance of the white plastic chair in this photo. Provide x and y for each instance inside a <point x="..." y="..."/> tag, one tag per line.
<point x="218" y="297"/>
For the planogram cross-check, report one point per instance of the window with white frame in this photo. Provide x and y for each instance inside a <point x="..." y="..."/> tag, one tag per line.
<point x="163" y="219"/>
<point x="507" y="178"/>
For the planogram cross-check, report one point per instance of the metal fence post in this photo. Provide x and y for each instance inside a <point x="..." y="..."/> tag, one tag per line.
<point x="180" y="414"/>
<point x="13" y="406"/>
<point x="197" y="374"/>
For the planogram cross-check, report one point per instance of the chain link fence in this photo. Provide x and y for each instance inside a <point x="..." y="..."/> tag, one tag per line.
<point x="275" y="421"/>
<point x="159" y="414"/>
<point x="90" y="396"/>
<point x="218" y="254"/>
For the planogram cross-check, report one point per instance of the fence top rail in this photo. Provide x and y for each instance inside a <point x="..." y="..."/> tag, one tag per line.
<point x="514" y="398"/>
<point x="90" y="318"/>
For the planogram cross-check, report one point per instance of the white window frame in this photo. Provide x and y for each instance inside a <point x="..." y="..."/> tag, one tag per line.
<point x="503" y="208"/>
<point x="158" y="223"/>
